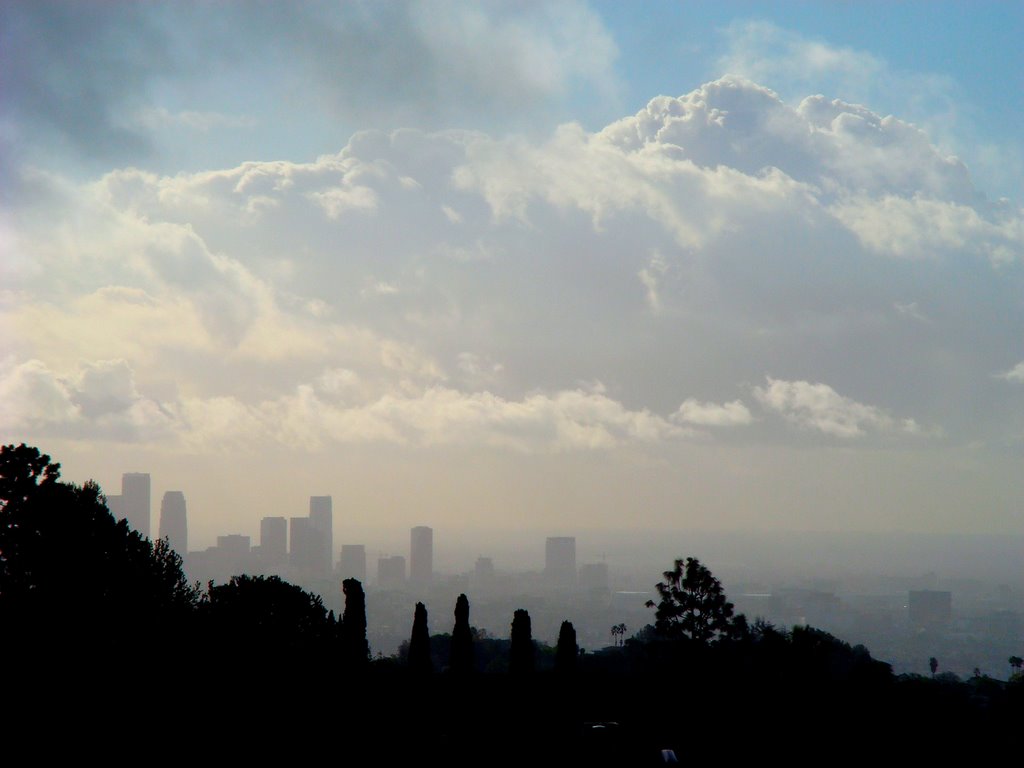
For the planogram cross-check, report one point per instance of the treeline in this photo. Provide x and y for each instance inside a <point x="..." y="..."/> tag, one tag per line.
<point x="88" y="607"/>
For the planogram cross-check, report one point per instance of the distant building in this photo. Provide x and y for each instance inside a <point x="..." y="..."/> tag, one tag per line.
<point x="116" y="506"/>
<point x="421" y="555"/>
<point x="391" y="572"/>
<point x="321" y="519"/>
<point x="484" y="568"/>
<point x="594" y="577"/>
<point x="483" y="573"/>
<point x="352" y="564"/>
<point x="273" y="540"/>
<point x="234" y="544"/>
<point x="174" y="521"/>
<point x="135" y="501"/>
<point x="929" y="607"/>
<point x="560" y="560"/>
<point x="301" y="548"/>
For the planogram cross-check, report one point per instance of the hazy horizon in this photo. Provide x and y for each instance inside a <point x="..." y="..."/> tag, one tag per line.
<point x="574" y="269"/>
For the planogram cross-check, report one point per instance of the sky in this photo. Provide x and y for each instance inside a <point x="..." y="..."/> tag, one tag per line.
<point x="543" y="267"/>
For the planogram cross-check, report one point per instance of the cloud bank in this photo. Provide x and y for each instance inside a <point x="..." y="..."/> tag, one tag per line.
<point x="454" y="287"/>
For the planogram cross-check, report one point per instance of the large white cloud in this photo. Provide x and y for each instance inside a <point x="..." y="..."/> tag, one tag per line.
<point x="674" y="255"/>
<point x="819" y="407"/>
<point x="100" y="402"/>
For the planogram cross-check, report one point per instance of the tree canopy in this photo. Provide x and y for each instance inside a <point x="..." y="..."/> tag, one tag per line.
<point x="62" y="550"/>
<point x="692" y="604"/>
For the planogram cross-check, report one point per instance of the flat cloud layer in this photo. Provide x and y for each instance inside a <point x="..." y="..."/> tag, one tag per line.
<point x="624" y="289"/>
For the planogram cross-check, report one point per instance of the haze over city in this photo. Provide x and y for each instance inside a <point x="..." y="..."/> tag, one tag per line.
<point x="642" y="277"/>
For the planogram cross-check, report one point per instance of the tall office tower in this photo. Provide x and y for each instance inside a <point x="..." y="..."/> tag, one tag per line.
<point x="135" y="501"/>
<point x="391" y="572"/>
<point x="929" y="607"/>
<point x="483" y="573"/>
<point x="174" y="521"/>
<point x="353" y="562"/>
<point x="116" y="506"/>
<point x="321" y="518"/>
<point x="274" y="540"/>
<point x="234" y="543"/>
<point x="560" y="560"/>
<point x="421" y="555"/>
<point x="301" y="549"/>
<point x="594" y="577"/>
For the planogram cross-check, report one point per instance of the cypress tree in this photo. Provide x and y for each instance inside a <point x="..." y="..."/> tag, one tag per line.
<point x="566" y="652"/>
<point x="521" y="660"/>
<point x="419" y="644"/>
<point x="461" y="661"/>
<point x="355" y="651"/>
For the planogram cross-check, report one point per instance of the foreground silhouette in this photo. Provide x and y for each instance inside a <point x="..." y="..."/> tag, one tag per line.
<point x="88" y="606"/>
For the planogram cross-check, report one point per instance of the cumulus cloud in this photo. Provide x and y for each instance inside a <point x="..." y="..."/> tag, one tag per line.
<point x="730" y="414"/>
<point x="98" y="402"/>
<point x="1014" y="374"/>
<point x="686" y="248"/>
<point x="819" y="407"/>
<point x="795" y="65"/>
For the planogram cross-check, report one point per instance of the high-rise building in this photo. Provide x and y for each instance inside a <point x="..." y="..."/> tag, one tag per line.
<point x="391" y="572"/>
<point x="353" y="562"/>
<point x="594" y="577"/>
<point x="321" y="518"/>
<point x="116" y="506"/>
<point x="273" y="540"/>
<point x="174" y="521"/>
<point x="560" y="560"/>
<point x="421" y="555"/>
<point x="483" y="573"/>
<point x="135" y="501"/>
<point x="929" y="607"/>
<point x="234" y="543"/>
<point x="301" y="538"/>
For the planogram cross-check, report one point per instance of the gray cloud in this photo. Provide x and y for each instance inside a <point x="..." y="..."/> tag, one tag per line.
<point x="85" y="80"/>
<point x="68" y="72"/>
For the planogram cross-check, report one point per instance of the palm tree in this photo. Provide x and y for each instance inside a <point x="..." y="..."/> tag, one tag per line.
<point x="933" y="665"/>
<point x="1016" y="662"/>
<point x="622" y="634"/>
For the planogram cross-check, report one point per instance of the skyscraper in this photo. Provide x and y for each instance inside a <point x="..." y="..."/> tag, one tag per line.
<point x="560" y="560"/>
<point x="321" y="519"/>
<point x="421" y="555"/>
<point x="274" y="540"/>
<point x="353" y="562"/>
<point x="174" y="521"/>
<point x="594" y="577"/>
<point x="116" y="506"/>
<point x="300" y="544"/>
<point x="135" y="501"/>
<point x="391" y="572"/>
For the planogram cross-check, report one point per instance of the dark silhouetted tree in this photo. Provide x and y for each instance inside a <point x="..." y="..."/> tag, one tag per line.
<point x="355" y="650"/>
<point x="692" y="604"/>
<point x="567" y="651"/>
<point x="522" y="654"/>
<point x="619" y="634"/>
<point x="1016" y="662"/>
<point x="23" y="472"/>
<point x="461" y="660"/>
<point x="72" y="575"/>
<point x="419" y="643"/>
<point x="933" y="665"/>
<point x="256" y="614"/>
